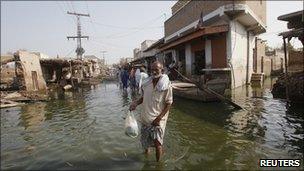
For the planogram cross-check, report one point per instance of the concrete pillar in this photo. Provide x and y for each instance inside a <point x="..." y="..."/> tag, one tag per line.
<point x="174" y="55"/>
<point x="247" y="59"/>
<point x="189" y="59"/>
<point x="177" y="56"/>
<point x="208" y="54"/>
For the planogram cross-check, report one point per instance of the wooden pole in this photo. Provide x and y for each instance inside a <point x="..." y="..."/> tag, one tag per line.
<point x="286" y="69"/>
<point x="209" y="91"/>
<point x="71" y="71"/>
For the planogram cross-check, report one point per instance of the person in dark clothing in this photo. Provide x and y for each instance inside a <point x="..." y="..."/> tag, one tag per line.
<point x="125" y="78"/>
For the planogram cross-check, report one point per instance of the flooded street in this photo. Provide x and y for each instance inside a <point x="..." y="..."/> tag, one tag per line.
<point x="85" y="130"/>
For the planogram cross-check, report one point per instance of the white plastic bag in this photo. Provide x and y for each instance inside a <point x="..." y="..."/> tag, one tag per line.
<point x="131" y="127"/>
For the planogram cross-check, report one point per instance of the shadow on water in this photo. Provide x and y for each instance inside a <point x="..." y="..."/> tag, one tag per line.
<point x="267" y="128"/>
<point x="295" y="118"/>
<point x="93" y="164"/>
<point x="213" y="112"/>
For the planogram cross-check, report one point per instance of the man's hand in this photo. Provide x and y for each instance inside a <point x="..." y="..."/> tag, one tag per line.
<point x="133" y="106"/>
<point x="156" y="121"/>
<point x="135" y="103"/>
<point x="161" y="115"/>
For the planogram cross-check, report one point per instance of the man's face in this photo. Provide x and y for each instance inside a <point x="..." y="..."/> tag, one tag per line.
<point x="156" y="70"/>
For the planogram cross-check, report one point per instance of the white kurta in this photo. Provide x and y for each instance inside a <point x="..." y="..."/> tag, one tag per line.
<point x="154" y="102"/>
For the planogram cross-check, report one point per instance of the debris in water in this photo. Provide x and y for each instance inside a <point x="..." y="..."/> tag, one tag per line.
<point x="68" y="163"/>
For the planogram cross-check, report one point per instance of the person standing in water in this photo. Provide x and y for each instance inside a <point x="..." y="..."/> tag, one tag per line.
<point x="157" y="99"/>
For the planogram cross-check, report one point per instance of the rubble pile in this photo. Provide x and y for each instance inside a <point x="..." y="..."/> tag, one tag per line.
<point x="295" y="87"/>
<point x="16" y="98"/>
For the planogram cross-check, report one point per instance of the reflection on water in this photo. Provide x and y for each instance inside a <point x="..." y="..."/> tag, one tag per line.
<point x="84" y="129"/>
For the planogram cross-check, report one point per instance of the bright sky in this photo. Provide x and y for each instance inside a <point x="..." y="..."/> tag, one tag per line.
<point x="114" y="26"/>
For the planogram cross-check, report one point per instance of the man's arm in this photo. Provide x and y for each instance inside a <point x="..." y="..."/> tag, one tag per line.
<point x="135" y="103"/>
<point x="168" y="103"/>
<point x="162" y="114"/>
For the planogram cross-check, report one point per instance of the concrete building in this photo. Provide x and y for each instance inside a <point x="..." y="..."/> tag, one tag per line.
<point x="148" y="52"/>
<point x="147" y="43"/>
<point x="215" y="38"/>
<point x="291" y="85"/>
<point x="274" y="64"/>
<point x="142" y="52"/>
<point x="294" y="58"/>
<point x="136" y="53"/>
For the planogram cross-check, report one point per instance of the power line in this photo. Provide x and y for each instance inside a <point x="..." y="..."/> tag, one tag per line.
<point x="87" y="6"/>
<point x="110" y="44"/>
<point x="127" y="34"/>
<point x="137" y="29"/>
<point x="88" y="11"/>
<point x="69" y="53"/>
<point x="71" y="2"/>
<point x="68" y="7"/>
<point x="63" y="11"/>
<point x="116" y="36"/>
<point x="118" y="27"/>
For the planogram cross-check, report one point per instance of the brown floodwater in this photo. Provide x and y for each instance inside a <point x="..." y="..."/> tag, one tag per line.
<point x="84" y="129"/>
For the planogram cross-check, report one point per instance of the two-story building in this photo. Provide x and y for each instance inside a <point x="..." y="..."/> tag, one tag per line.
<point x="215" y="38"/>
<point x="146" y="54"/>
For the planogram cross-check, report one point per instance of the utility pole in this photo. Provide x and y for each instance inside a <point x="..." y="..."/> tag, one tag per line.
<point x="103" y="52"/>
<point x="79" y="51"/>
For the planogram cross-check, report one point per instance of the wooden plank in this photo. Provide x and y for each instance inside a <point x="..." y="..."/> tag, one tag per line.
<point x="286" y="69"/>
<point x="8" y="103"/>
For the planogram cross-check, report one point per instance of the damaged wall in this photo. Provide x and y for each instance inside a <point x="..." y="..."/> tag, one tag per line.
<point x="7" y="76"/>
<point x="295" y="61"/>
<point x="28" y="71"/>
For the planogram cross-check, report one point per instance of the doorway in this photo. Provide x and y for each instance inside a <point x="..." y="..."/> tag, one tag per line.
<point x="35" y="80"/>
<point x="199" y="62"/>
<point x="181" y="61"/>
<point x="168" y="59"/>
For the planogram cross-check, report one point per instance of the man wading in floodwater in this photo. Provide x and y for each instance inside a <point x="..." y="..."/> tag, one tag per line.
<point x="156" y="99"/>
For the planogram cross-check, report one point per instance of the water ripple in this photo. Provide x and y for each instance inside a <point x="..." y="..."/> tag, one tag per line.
<point x="85" y="130"/>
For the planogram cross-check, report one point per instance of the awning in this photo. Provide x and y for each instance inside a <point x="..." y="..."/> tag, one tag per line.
<point x="201" y="31"/>
<point x="292" y="16"/>
<point x="154" y="45"/>
<point x="139" y="60"/>
<point x="293" y="33"/>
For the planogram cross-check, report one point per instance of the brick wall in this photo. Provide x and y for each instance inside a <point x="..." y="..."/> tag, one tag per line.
<point x="179" y="4"/>
<point x="192" y="11"/>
